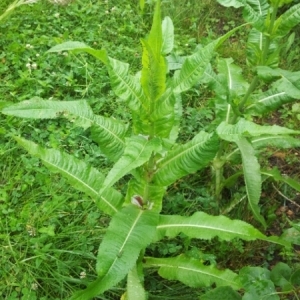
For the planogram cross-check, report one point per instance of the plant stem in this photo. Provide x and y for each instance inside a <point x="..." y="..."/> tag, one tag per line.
<point x="251" y="88"/>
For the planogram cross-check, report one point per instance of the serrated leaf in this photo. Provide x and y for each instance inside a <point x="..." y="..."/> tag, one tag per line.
<point x="81" y="175"/>
<point x="194" y="65"/>
<point x="187" y="158"/>
<point x="80" y="47"/>
<point x="135" y="289"/>
<point x="155" y="38"/>
<point x="203" y="226"/>
<point x="167" y="35"/>
<point x="290" y="87"/>
<point x="192" y="69"/>
<point x="37" y="108"/>
<point x="244" y="128"/>
<point x="268" y="101"/>
<point x="232" y="76"/>
<point x="137" y="151"/>
<point x="153" y="78"/>
<point x="214" y="81"/>
<point x="130" y="231"/>
<point x="234" y="3"/>
<point x="222" y="292"/>
<point x="255" y="47"/>
<point x="279" y="141"/>
<point x="164" y="114"/>
<point x="287" y="20"/>
<point x="255" y="11"/>
<point x="252" y="176"/>
<point x="192" y="272"/>
<point x="126" y="86"/>
<point x="109" y="134"/>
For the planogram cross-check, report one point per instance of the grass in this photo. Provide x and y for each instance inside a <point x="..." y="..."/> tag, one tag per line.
<point x="49" y="232"/>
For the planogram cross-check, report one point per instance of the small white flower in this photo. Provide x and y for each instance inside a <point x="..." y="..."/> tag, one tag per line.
<point x="107" y="12"/>
<point x="186" y="45"/>
<point x="37" y="55"/>
<point x="28" y="46"/>
<point x="56" y="15"/>
<point x="113" y="8"/>
<point x="34" y="286"/>
<point x="65" y="54"/>
<point x="34" y="66"/>
<point x="28" y="66"/>
<point x="82" y="275"/>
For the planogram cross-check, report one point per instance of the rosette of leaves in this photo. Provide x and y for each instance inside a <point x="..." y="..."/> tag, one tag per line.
<point x="147" y="150"/>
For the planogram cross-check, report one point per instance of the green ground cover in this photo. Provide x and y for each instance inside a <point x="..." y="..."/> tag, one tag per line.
<point x="50" y="232"/>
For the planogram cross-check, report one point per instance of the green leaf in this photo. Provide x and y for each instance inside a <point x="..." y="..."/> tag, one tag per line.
<point x="295" y="278"/>
<point x="192" y="272"/>
<point x="268" y="101"/>
<point x="232" y="76"/>
<point x="49" y="230"/>
<point x="192" y="69"/>
<point x="252" y="176"/>
<point x="234" y="3"/>
<point x="130" y="231"/>
<point x="149" y="192"/>
<point x="281" y="275"/>
<point x="167" y="35"/>
<point x="153" y="77"/>
<point x="215" y="82"/>
<point x="287" y="20"/>
<point x="291" y="88"/>
<point x="82" y="176"/>
<point x="37" y="108"/>
<point x="291" y="235"/>
<point x="109" y="134"/>
<point x="155" y="38"/>
<point x="187" y="158"/>
<point x="164" y="115"/>
<point x="278" y="141"/>
<point x="254" y="10"/>
<point x="77" y="47"/>
<point x="222" y="292"/>
<point x="137" y="151"/>
<point x="154" y="70"/>
<point x="269" y="74"/>
<point x="288" y="82"/>
<point x="257" y="284"/>
<point x="195" y="65"/>
<point x="135" y="289"/>
<point x="255" y="47"/>
<point x="203" y="226"/>
<point x="142" y="5"/>
<point x="126" y="86"/>
<point x="244" y="128"/>
<point x="275" y="174"/>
